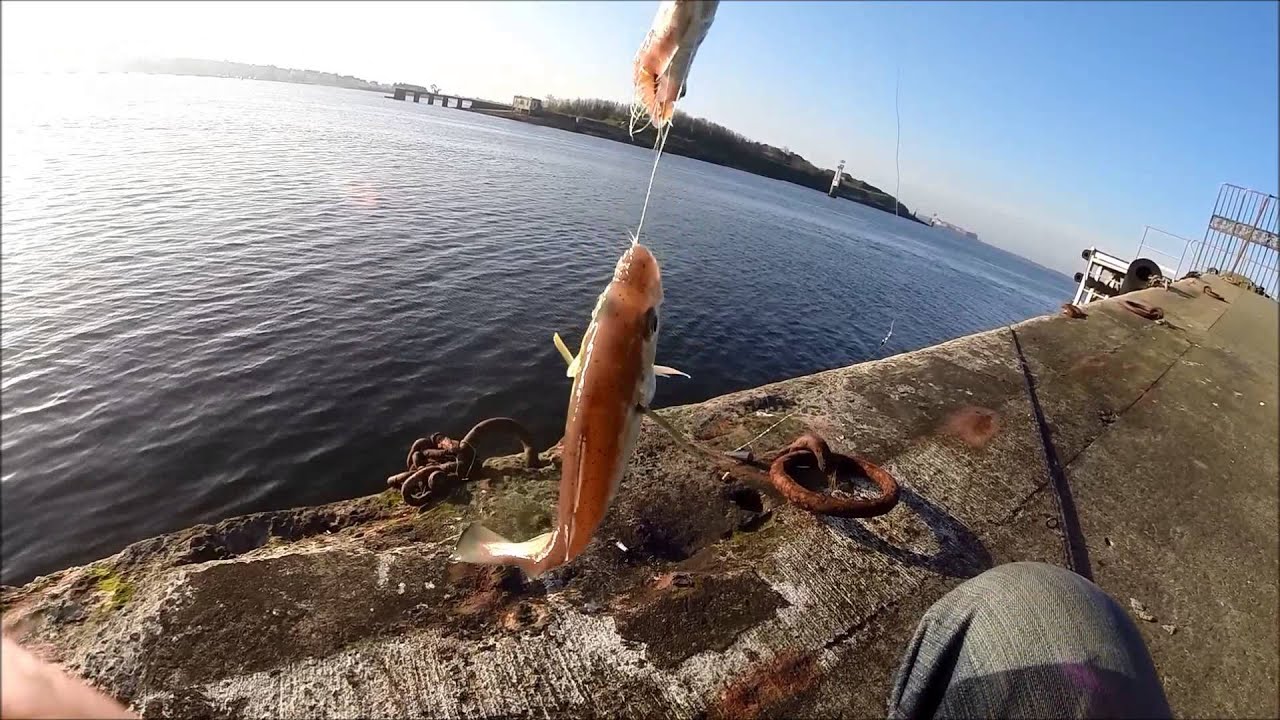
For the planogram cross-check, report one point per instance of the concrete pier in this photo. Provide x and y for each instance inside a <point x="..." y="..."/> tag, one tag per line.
<point x="402" y="92"/>
<point x="696" y="587"/>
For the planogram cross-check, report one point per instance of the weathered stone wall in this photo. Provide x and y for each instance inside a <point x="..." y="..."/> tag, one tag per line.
<point x="703" y="595"/>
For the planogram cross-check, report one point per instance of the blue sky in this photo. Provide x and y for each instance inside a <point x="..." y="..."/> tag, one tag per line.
<point x="1045" y="127"/>
<point x="1087" y="120"/>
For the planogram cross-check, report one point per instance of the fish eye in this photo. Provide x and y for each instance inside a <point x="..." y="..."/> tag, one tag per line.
<point x="651" y="318"/>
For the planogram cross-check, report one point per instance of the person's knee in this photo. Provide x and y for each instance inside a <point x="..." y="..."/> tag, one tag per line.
<point x="1029" y="599"/>
<point x="1030" y="571"/>
<point x="1043" y="577"/>
<point x="1016" y="640"/>
<point x="1031" y="587"/>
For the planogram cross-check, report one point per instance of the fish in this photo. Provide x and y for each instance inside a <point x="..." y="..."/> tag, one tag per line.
<point x="661" y="68"/>
<point x="614" y="380"/>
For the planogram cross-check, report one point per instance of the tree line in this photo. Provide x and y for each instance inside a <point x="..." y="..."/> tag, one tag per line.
<point x="700" y="130"/>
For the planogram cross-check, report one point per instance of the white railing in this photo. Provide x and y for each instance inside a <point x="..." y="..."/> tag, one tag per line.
<point x="1150" y="236"/>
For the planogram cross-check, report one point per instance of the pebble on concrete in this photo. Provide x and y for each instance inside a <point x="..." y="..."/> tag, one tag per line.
<point x="1140" y="611"/>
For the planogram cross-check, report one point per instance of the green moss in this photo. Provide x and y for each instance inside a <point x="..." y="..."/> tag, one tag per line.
<point x="390" y="499"/>
<point x="760" y="543"/>
<point x="750" y="427"/>
<point x="521" y="506"/>
<point x="117" y="590"/>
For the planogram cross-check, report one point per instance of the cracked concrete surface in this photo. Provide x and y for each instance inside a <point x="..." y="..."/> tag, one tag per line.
<point x="1167" y="434"/>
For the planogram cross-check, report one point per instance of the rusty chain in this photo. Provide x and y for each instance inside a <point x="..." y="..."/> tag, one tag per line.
<point x="438" y="464"/>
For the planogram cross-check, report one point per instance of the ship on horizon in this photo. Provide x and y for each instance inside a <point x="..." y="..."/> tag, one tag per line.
<point x="936" y="221"/>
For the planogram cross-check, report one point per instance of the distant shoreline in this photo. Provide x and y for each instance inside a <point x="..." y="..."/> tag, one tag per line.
<point x="740" y="153"/>
<point x="193" y="67"/>
<point x="795" y="169"/>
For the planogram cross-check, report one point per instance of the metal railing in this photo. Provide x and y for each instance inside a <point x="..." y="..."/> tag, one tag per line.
<point x="1243" y="236"/>
<point x="1151" y="237"/>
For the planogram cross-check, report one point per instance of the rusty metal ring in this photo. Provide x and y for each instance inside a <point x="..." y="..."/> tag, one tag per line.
<point x="437" y="464"/>
<point x="824" y="504"/>
<point x="1143" y="311"/>
<point x="511" y="426"/>
<point x="466" y="459"/>
<point x="421" y="444"/>
<point x="1073" y="311"/>
<point x="416" y="490"/>
<point x="435" y="455"/>
<point x="814" y="445"/>
<point x="441" y="481"/>
<point x="1213" y="293"/>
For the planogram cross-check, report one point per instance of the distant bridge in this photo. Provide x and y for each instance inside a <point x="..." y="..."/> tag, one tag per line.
<point x="402" y="92"/>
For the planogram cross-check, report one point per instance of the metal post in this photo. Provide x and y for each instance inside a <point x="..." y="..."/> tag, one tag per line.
<point x="1195" y="263"/>
<point x="1143" y="242"/>
<point x="1183" y="256"/>
<point x="1236" y="214"/>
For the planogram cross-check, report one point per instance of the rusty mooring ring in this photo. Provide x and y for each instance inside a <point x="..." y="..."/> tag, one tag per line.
<point x="1073" y="311"/>
<point x="1208" y="290"/>
<point x="491" y="425"/>
<point x="816" y="449"/>
<point x="1143" y="311"/>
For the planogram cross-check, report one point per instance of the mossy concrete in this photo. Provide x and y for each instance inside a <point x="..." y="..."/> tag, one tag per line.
<point x="702" y="596"/>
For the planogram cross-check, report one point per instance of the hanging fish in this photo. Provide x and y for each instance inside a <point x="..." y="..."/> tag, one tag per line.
<point x="613" y="383"/>
<point x="662" y="65"/>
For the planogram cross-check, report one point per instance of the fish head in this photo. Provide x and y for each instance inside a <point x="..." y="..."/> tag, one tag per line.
<point x="631" y="305"/>
<point x="637" y="277"/>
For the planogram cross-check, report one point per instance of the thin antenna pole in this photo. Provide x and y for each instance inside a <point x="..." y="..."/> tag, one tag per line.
<point x="897" y="149"/>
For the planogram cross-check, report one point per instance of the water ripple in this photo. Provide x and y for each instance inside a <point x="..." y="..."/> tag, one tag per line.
<point x="227" y="296"/>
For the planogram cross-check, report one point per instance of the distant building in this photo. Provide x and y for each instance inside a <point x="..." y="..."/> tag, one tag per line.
<point x="939" y="222"/>
<point x="529" y="105"/>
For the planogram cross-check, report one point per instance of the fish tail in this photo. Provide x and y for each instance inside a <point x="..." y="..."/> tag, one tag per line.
<point x="481" y="546"/>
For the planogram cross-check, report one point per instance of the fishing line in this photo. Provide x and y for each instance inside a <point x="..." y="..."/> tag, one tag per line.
<point x="897" y="142"/>
<point x="766" y="431"/>
<point x="886" y="337"/>
<point x="658" y="145"/>
<point x="638" y="110"/>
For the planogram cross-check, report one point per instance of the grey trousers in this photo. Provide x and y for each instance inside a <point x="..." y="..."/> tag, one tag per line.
<point x="1026" y="640"/>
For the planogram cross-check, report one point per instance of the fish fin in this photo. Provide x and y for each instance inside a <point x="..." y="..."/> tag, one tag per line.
<point x="569" y="357"/>
<point x="564" y="351"/>
<point x="479" y="545"/>
<point x="668" y="428"/>
<point x="665" y="371"/>
<point x="473" y="543"/>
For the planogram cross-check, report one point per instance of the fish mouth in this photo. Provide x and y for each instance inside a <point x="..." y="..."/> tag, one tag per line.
<point x="638" y="274"/>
